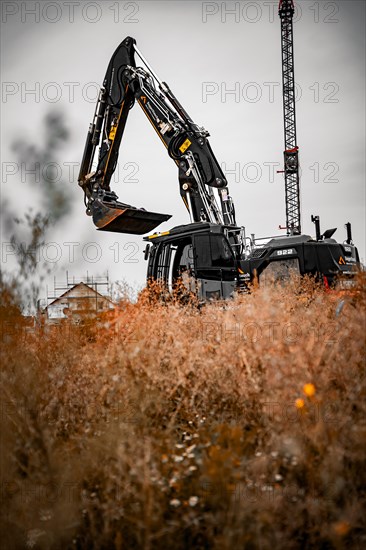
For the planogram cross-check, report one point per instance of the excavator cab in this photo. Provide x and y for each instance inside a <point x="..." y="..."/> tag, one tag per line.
<point x="198" y="255"/>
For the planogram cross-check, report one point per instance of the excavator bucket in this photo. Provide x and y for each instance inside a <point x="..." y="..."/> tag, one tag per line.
<point x="123" y="218"/>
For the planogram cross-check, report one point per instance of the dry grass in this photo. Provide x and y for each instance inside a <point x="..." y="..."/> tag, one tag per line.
<point x="174" y="427"/>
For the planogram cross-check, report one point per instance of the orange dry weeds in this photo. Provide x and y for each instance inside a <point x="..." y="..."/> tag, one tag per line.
<point x="172" y="426"/>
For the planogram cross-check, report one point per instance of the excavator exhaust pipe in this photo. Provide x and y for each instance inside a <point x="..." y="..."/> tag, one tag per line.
<point x="110" y="215"/>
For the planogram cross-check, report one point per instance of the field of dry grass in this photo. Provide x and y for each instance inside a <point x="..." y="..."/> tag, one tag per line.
<point x="176" y="427"/>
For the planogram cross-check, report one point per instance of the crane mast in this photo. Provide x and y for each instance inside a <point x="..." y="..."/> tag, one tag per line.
<point x="291" y="152"/>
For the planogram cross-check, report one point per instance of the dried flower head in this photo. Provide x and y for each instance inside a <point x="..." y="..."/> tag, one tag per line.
<point x="309" y="390"/>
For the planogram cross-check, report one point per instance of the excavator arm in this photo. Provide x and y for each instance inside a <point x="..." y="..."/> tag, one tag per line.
<point x="186" y="143"/>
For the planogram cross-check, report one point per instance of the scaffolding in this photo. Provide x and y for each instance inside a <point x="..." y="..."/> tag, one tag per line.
<point x="100" y="285"/>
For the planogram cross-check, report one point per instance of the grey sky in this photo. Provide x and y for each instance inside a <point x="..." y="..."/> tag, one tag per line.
<point x="203" y="50"/>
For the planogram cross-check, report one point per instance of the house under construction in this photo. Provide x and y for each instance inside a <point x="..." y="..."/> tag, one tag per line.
<point x="79" y="299"/>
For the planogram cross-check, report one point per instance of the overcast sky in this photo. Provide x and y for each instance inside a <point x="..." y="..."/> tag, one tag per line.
<point x="223" y="62"/>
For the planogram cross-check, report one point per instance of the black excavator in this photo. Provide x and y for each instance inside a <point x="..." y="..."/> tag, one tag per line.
<point x="206" y="251"/>
<point x="212" y="255"/>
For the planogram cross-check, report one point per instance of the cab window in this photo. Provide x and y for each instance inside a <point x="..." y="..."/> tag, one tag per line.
<point x="213" y="251"/>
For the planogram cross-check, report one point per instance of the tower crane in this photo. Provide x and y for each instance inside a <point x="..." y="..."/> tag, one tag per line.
<point x="291" y="153"/>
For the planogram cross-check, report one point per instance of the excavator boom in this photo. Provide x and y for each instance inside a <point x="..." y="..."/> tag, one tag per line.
<point x="186" y="143"/>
